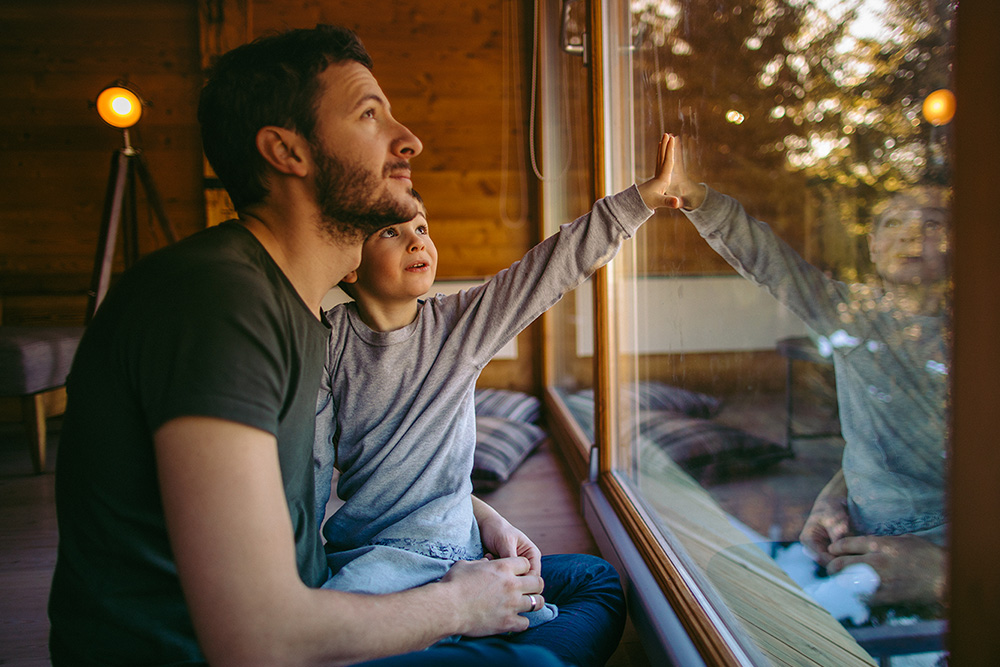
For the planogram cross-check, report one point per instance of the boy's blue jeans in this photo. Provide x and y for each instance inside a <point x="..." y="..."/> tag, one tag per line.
<point x="589" y="626"/>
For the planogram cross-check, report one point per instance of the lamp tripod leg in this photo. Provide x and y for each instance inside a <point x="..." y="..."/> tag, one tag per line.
<point x="120" y="211"/>
<point x="153" y="196"/>
<point x="113" y="202"/>
<point x="130" y="217"/>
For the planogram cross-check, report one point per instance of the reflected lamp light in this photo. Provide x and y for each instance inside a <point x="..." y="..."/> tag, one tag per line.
<point x="939" y="107"/>
<point x="119" y="105"/>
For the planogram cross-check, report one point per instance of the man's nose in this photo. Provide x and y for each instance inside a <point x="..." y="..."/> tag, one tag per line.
<point x="406" y="145"/>
<point x="912" y="231"/>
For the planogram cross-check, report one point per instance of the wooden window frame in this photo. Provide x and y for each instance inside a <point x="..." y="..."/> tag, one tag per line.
<point x="974" y="598"/>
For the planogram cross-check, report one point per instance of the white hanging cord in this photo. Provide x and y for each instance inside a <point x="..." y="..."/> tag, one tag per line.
<point x="531" y="119"/>
<point x="512" y="35"/>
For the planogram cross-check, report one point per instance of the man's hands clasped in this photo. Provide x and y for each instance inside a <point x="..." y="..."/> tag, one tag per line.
<point x="492" y="593"/>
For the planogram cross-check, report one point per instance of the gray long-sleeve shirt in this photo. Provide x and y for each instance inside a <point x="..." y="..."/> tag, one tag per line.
<point x="404" y="401"/>
<point x="891" y="369"/>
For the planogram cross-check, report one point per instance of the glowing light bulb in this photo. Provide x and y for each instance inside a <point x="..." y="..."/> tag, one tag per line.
<point x="939" y="107"/>
<point x="121" y="106"/>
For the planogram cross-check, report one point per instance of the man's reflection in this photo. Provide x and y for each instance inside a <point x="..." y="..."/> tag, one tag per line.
<point x="888" y="338"/>
<point x="886" y="507"/>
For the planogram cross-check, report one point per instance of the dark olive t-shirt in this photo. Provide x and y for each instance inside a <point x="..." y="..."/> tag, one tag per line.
<point x="209" y="326"/>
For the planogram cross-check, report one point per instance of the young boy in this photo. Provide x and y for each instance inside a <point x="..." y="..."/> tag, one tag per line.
<point x="886" y="506"/>
<point x="396" y="414"/>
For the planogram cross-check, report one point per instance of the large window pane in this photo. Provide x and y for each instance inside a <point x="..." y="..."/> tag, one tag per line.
<point x="565" y="169"/>
<point x="818" y="370"/>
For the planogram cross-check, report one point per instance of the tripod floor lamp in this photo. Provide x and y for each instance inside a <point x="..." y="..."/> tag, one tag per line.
<point x="119" y="106"/>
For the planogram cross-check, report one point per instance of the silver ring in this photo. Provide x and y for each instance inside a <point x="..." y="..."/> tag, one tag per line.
<point x="531" y="598"/>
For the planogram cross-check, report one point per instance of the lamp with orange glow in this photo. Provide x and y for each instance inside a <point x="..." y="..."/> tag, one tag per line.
<point x="119" y="106"/>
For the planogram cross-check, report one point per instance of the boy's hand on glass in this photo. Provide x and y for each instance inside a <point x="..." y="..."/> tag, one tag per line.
<point x="671" y="187"/>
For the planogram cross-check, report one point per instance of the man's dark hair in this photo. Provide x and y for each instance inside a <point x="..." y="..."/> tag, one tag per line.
<point x="270" y="81"/>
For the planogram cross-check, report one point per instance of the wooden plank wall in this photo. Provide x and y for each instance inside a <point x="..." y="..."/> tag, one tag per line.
<point x="56" y="151"/>
<point x="455" y="72"/>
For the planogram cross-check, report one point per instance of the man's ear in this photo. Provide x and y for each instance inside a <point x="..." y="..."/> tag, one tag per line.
<point x="284" y="149"/>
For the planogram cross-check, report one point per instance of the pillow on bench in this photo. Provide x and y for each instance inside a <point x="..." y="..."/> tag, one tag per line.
<point x="501" y="446"/>
<point x="654" y="395"/>
<point x="505" y="434"/>
<point x="508" y="404"/>
<point x="677" y="422"/>
<point x="705" y="449"/>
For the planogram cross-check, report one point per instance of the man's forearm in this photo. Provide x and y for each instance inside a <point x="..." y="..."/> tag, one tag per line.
<point x="835" y="490"/>
<point x="233" y="541"/>
<point x="334" y="627"/>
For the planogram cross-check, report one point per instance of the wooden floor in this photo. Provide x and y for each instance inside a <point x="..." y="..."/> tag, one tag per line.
<point x="27" y="551"/>
<point x="538" y="499"/>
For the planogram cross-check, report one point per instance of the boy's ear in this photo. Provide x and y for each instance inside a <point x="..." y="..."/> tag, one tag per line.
<point x="283" y="149"/>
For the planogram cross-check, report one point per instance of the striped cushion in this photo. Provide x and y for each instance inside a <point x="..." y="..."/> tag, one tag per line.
<point x="660" y="396"/>
<point x="706" y="449"/>
<point x="508" y="404"/>
<point x="581" y="406"/>
<point x="654" y="395"/>
<point x="501" y="446"/>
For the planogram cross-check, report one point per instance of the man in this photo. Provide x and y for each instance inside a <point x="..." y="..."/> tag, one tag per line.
<point x="184" y="482"/>
<point x="886" y="506"/>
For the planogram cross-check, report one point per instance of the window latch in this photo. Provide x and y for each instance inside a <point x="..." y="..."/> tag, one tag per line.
<point x="577" y="44"/>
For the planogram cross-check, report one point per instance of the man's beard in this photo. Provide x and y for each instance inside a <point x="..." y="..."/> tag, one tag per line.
<point x="345" y="194"/>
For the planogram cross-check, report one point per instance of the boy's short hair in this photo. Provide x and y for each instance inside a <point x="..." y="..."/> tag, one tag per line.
<point x="420" y="201"/>
<point x="270" y="81"/>
<point x="348" y="288"/>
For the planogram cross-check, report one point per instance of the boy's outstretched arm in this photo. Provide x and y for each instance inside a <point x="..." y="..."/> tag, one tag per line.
<point x="671" y="187"/>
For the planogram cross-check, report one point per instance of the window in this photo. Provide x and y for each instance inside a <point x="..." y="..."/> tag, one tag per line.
<point x="724" y="410"/>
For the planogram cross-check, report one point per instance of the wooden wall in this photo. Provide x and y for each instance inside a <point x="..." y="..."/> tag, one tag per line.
<point x="56" y="151"/>
<point x="455" y="72"/>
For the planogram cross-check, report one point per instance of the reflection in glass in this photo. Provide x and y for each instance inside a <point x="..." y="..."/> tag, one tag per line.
<point x="809" y="113"/>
